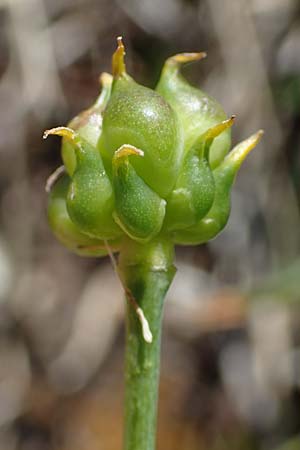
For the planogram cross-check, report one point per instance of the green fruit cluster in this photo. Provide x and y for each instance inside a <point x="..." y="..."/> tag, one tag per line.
<point x="141" y="163"/>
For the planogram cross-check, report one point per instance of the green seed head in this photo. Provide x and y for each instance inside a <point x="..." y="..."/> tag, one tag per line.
<point x="144" y="164"/>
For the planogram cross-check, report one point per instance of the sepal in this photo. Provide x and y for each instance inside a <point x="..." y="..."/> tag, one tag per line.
<point x="217" y="217"/>
<point x="65" y="230"/>
<point x="139" y="210"/>
<point x="194" y="191"/>
<point x="197" y="111"/>
<point x="90" y="199"/>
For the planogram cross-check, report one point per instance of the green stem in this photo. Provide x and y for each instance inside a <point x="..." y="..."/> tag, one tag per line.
<point x="147" y="271"/>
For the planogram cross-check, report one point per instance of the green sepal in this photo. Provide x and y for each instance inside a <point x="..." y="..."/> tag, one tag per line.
<point x="65" y="230"/>
<point x="88" y="124"/>
<point x="194" y="191"/>
<point x="139" y="211"/>
<point x="216" y="218"/>
<point x="90" y="200"/>
<point x="193" y="194"/>
<point x="139" y="116"/>
<point x="218" y="215"/>
<point x="197" y="111"/>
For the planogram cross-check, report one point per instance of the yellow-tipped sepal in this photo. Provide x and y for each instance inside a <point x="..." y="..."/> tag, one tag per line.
<point x="197" y="111"/>
<point x="238" y="154"/>
<point x="139" y="211"/>
<point x="118" y="59"/>
<point x="90" y="199"/>
<point x="218" y="215"/>
<point x="65" y="230"/>
<point x="194" y="191"/>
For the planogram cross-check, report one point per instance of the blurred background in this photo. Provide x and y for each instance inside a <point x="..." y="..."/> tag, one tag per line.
<point x="231" y="342"/>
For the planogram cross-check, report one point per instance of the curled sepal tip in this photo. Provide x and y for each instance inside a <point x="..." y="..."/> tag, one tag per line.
<point x="214" y="131"/>
<point x="139" y="211"/>
<point x="118" y="62"/>
<point x="65" y="132"/>
<point x="184" y="58"/>
<point x="240" y="151"/>
<point x="204" y="142"/>
<point x="127" y="150"/>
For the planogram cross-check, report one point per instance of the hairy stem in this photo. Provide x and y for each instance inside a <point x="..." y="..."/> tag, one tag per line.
<point x="147" y="271"/>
